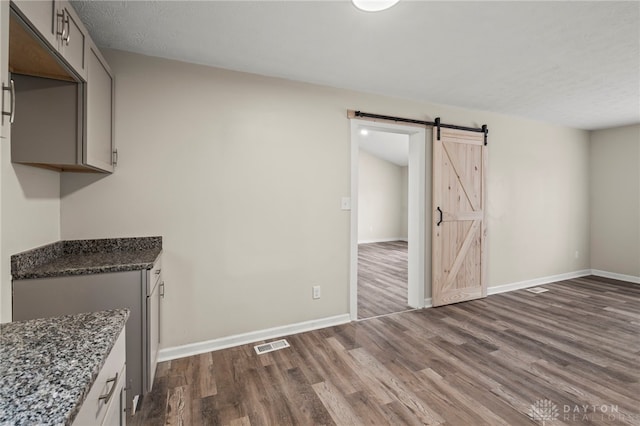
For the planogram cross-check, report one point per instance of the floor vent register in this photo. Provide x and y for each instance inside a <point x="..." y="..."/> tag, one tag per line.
<point x="537" y="290"/>
<point x="271" y="346"/>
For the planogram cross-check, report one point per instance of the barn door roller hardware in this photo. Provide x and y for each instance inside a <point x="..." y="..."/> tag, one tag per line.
<point x="437" y="123"/>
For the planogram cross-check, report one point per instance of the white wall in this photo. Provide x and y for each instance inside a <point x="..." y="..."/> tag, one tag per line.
<point x="243" y="176"/>
<point x="615" y="200"/>
<point x="30" y="215"/>
<point x="381" y="205"/>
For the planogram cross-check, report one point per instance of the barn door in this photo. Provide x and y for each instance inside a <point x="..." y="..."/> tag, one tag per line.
<point x="459" y="228"/>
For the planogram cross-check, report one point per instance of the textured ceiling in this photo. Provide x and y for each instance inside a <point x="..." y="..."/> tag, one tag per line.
<point x="571" y="63"/>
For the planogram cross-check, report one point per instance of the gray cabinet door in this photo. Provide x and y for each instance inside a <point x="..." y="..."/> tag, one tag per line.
<point x="153" y="337"/>
<point x="41" y="16"/>
<point x="71" y="37"/>
<point x="98" y="143"/>
<point x="5" y="96"/>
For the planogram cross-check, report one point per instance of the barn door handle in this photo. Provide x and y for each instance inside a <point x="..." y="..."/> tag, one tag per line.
<point x="440" y="221"/>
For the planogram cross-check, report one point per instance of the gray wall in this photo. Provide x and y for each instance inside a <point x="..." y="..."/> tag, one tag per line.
<point x="382" y="200"/>
<point x="30" y="200"/>
<point x="615" y="200"/>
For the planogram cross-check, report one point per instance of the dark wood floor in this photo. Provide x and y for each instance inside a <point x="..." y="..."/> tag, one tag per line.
<point x="382" y="278"/>
<point x="483" y="362"/>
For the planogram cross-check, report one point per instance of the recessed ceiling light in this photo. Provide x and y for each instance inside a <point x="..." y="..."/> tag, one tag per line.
<point x="373" y="5"/>
<point x="364" y="132"/>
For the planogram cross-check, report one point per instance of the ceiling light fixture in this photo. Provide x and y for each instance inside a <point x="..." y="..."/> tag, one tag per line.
<point x="373" y="5"/>
<point x="364" y="132"/>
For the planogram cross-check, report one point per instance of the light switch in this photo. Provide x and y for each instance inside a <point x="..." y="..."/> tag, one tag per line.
<point x="345" y="203"/>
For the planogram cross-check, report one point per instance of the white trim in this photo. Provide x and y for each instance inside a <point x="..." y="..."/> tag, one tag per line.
<point x="417" y="218"/>
<point x="175" y="352"/>
<point x="383" y="240"/>
<point x="428" y="303"/>
<point x="615" y="276"/>
<point x="387" y="315"/>
<point x="353" y="243"/>
<point x="537" y="281"/>
<point x="417" y="148"/>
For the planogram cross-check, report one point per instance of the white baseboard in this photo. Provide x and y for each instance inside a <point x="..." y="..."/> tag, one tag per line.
<point x="615" y="276"/>
<point x="383" y="240"/>
<point x="537" y="281"/>
<point x="428" y="303"/>
<point x="175" y="352"/>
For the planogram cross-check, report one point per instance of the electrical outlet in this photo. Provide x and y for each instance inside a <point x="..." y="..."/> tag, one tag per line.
<point x="316" y="292"/>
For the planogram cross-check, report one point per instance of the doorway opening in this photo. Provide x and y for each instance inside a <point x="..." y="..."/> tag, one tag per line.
<point x="387" y="218"/>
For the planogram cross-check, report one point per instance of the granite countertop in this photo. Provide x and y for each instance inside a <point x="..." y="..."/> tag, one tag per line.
<point x="47" y="366"/>
<point x="82" y="257"/>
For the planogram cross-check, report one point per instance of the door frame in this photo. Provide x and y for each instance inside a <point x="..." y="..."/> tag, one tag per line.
<point x="416" y="211"/>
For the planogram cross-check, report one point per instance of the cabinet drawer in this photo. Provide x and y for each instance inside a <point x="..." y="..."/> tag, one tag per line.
<point x="115" y="415"/>
<point x="110" y="380"/>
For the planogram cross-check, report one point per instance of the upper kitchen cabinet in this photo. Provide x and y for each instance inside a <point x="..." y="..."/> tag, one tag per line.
<point x="63" y="94"/>
<point x="7" y="95"/>
<point x="57" y="24"/>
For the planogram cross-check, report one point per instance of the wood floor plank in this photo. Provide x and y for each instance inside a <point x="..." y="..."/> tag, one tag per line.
<point x="452" y="402"/>
<point x="483" y="362"/>
<point x="206" y="379"/>
<point x="178" y="407"/>
<point x="401" y="392"/>
<point x="340" y="410"/>
<point x="242" y="421"/>
<point x="382" y="278"/>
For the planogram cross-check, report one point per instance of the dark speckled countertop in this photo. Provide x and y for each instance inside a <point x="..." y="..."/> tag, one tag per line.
<point x="82" y="257"/>
<point x="47" y="366"/>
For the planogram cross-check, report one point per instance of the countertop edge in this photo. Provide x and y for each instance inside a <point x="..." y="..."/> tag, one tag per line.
<point x="32" y="263"/>
<point x="91" y="270"/>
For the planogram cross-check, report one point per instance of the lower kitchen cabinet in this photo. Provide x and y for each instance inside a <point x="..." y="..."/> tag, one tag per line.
<point x="140" y="291"/>
<point x="104" y="405"/>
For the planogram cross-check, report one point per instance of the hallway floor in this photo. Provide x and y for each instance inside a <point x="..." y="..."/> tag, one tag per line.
<point x="382" y="278"/>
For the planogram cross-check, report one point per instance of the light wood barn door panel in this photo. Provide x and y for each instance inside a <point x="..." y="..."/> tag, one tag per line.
<point x="459" y="228"/>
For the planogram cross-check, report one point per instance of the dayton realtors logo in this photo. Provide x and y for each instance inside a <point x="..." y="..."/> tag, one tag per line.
<point x="543" y="410"/>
